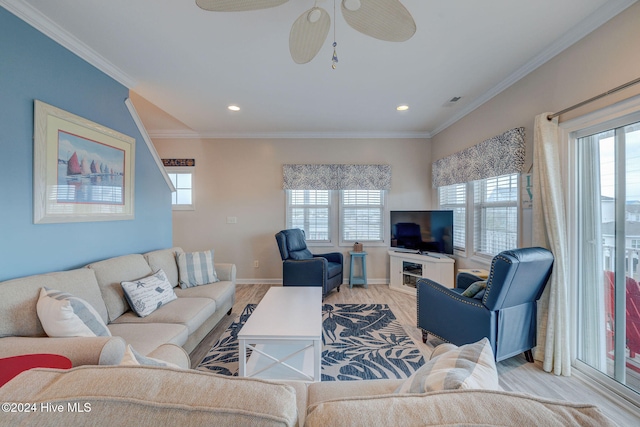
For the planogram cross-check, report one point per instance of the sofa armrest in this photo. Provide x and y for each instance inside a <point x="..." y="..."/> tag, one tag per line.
<point x="80" y="350"/>
<point x="226" y="272"/>
<point x="173" y="354"/>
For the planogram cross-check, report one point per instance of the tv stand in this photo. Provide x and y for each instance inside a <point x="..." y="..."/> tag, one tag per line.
<point x="406" y="268"/>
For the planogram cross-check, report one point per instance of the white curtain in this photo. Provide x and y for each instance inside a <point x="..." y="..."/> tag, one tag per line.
<point x="591" y="278"/>
<point x="550" y="231"/>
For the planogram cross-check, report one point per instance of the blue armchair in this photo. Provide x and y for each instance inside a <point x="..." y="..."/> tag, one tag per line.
<point x="505" y="313"/>
<point x="302" y="268"/>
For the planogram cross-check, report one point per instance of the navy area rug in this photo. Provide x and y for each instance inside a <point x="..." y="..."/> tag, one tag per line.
<point x="359" y="342"/>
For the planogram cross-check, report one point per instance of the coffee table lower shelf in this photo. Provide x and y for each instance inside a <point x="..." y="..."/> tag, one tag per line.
<point x="296" y="360"/>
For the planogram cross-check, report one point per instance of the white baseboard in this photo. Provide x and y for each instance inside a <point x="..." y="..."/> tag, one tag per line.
<point x="258" y="281"/>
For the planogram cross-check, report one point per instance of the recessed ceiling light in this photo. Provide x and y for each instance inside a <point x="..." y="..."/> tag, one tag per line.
<point x="233" y="108"/>
<point x="402" y="107"/>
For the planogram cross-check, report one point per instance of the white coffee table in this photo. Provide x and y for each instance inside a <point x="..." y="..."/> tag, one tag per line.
<point x="284" y="333"/>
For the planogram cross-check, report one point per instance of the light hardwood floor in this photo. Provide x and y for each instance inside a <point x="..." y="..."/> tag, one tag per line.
<point x="515" y="373"/>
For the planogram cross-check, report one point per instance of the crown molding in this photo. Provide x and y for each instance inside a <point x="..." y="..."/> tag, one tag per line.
<point x="588" y="25"/>
<point x="42" y="23"/>
<point x="169" y="134"/>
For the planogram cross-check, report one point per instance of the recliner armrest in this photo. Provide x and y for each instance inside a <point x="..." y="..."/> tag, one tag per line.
<point x="464" y="280"/>
<point x="336" y="257"/>
<point x="305" y="272"/>
<point x="440" y="308"/>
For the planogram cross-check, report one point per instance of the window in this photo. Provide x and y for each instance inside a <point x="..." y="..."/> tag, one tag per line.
<point x="454" y="197"/>
<point x="607" y="159"/>
<point x="182" y="179"/>
<point x="361" y="213"/>
<point x="495" y="214"/>
<point x="310" y="211"/>
<point x="488" y="208"/>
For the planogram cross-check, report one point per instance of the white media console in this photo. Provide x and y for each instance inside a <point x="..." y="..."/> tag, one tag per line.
<point x="406" y="268"/>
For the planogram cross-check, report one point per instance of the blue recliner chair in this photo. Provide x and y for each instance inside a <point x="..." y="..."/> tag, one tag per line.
<point x="302" y="268"/>
<point x="505" y="313"/>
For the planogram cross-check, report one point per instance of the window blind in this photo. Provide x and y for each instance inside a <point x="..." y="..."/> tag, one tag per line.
<point x="362" y="215"/>
<point x="495" y="203"/>
<point x="454" y="197"/>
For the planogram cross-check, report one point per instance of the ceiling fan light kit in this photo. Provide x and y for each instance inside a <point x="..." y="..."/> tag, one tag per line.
<point x="386" y="20"/>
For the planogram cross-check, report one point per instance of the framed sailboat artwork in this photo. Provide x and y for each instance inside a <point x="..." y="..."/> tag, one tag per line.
<point x="83" y="171"/>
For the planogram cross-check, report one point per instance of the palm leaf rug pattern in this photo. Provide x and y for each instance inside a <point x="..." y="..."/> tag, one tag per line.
<point x="360" y="341"/>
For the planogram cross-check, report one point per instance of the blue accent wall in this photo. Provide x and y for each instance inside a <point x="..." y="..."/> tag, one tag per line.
<point x="32" y="66"/>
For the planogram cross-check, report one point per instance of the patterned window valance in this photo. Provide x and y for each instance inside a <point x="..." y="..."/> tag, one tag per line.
<point x="500" y="155"/>
<point x="336" y="177"/>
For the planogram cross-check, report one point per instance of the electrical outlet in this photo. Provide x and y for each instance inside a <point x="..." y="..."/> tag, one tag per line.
<point x="232" y="220"/>
<point x="256" y="264"/>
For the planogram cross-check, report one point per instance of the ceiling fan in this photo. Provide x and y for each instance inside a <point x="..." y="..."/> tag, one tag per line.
<point x="381" y="19"/>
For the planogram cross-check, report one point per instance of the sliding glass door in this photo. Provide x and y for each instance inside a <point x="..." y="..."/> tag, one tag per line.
<point x="608" y="214"/>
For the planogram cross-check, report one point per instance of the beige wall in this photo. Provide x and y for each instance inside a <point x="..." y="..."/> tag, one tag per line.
<point x="243" y="178"/>
<point x="606" y="58"/>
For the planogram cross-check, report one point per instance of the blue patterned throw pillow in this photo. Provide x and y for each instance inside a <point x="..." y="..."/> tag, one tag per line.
<point x="148" y="294"/>
<point x="196" y="268"/>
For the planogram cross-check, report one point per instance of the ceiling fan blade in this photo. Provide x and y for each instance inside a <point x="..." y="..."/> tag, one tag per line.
<point x="381" y="19"/>
<point x="237" y="5"/>
<point x="308" y="34"/>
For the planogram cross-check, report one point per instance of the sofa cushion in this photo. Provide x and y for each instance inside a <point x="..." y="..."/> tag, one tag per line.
<point x="196" y="268"/>
<point x="190" y="312"/>
<point x="147" y="337"/>
<point x="113" y="271"/>
<point x="148" y="294"/>
<point x="18" y="316"/>
<point x="467" y="366"/>
<point x="63" y="315"/>
<point x="150" y="396"/>
<point x="165" y="260"/>
<point x="454" y="408"/>
<point x="219" y="292"/>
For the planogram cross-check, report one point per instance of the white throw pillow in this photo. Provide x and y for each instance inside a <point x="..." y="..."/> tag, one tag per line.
<point x="133" y="358"/>
<point x="148" y="294"/>
<point x="63" y="315"/>
<point x="470" y="366"/>
<point x="196" y="268"/>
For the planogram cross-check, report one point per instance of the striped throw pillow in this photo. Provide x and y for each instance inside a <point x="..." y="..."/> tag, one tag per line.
<point x="470" y="366"/>
<point x="63" y="315"/>
<point x="196" y="268"/>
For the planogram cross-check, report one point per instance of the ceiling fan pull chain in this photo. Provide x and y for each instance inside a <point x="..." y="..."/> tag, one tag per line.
<point x="334" y="60"/>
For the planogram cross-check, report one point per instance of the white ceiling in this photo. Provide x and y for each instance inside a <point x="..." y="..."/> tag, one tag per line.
<point x="192" y="63"/>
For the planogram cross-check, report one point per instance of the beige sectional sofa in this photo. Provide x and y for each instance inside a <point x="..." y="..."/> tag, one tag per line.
<point x="112" y="395"/>
<point x="166" y="334"/>
<point x="152" y="396"/>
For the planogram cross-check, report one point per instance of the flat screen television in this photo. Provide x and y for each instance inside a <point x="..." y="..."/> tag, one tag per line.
<point x="422" y="231"/>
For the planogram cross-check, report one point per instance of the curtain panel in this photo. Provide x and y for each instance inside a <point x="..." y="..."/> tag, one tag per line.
<point x="550" y="231"/>
<point x="501" y="155"/>
<point x="336" y="177"/>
